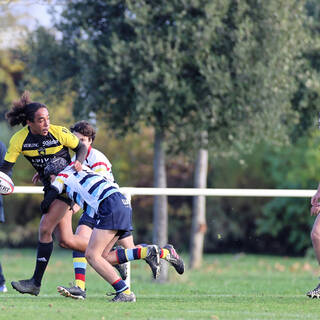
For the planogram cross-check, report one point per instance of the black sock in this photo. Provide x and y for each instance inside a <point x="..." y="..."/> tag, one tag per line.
<point x="43" y="255"/>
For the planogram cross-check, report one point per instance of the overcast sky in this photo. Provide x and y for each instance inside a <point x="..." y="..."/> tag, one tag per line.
<point x="29" y="13"/>
<point x="35" y="12"/>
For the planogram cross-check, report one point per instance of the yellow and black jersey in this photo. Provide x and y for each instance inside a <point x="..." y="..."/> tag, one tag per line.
<point x="40" y="149"/>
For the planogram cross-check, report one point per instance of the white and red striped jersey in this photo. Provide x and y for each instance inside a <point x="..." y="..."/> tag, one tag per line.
<point x="98" y="163"/>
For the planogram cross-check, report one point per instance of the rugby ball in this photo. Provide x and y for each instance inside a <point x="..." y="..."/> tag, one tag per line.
<point x="6" y="184"/>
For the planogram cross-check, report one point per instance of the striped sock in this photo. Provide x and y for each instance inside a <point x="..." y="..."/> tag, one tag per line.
<point x="120" y="286"/>
<point x="125" y="255"/>
<point x="163" y="253"/>
<point x="79" y="266"/>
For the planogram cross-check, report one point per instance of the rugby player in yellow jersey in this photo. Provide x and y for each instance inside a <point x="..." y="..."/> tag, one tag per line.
<point x="40" y="142"/>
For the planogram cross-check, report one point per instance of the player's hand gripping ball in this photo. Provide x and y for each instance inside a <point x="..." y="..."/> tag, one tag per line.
<point x="6" y="184"/>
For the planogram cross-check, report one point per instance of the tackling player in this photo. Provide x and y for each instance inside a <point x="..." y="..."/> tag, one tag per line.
<point x="102" y="201"/>
<point x="99" y="163"/>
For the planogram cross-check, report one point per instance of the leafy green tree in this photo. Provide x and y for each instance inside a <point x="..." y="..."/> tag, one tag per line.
<point x="223" y="69"/>
<point x="227" y="70"/>
<point x="288" y="220"/>
<point x="244" y="95"/>
<point x="11" y="66"/>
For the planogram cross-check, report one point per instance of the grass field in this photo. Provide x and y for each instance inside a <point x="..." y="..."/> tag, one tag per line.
<point x="226" y="287"/>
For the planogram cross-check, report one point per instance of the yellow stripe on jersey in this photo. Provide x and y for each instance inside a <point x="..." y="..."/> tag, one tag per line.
<point x="60" y="180"/>
<point x="35" y="153"/>
<point x="101" y="169"/>
<point x="62" y="134"/>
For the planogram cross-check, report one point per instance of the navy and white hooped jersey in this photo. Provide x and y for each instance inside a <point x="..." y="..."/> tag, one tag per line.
<point x="98" y="163"/>
<point x="86" y="188"/>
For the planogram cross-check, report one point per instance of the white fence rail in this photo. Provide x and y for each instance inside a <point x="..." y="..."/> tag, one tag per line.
<point x="295" y="193"/>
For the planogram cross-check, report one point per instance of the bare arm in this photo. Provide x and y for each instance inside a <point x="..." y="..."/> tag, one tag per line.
<point x="81" y="153"/>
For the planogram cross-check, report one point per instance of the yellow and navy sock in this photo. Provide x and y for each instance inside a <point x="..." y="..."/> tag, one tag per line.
<point x="125" y="255"/>
<point x="120" y="286"/>
<point x="163" y="253"/>
<point x="79" y="266"/>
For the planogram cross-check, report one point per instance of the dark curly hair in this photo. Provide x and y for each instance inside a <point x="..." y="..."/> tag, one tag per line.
<point x="85" y="128"/>
<point x="23" y="110"/>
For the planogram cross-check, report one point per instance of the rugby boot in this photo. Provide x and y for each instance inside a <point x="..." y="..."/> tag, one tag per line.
<point x="3" y="288"/>
<point x="315" y="293"/>
<point x="26" y="286"/>
<point x="123" y="297"/>
<point x="73" y="292"/>
<point x="174" y="259"/>
<point x="153" y="260"/>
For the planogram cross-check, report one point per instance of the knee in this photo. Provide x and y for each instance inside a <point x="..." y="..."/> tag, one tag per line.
<point x="65" y="243"/>
<point x="315" y="235"/>
<point x="45" y="232"/>
<point x="90" y="256"/>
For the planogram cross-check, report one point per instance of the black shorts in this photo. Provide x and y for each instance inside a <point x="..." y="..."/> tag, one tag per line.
<point x="65" y="199"/>
<point x="62" y="197"/>
<point x="115" y="213"/>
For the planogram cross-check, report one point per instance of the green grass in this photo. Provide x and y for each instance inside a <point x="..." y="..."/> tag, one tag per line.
<point x="226" y="287"/>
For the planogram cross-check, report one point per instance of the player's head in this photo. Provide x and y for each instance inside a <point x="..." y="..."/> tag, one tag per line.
<point x="27" y="112"/>
<point x="55" y="166"/>
<point x="84" y="131"/>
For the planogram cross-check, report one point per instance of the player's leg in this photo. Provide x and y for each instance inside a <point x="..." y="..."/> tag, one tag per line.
<point x="47" y="225"/>
<point x="126" y="241"/>
<point x="150" y="253"/>
<point x="3" y="287"/>
<point x="67" y="239"/>
<point x="115" y="213"/>
<point x="100" y="244"/>
<point x="167" y="253"/>
<point x="77" y="291"/>
<point x="315" y="238"/>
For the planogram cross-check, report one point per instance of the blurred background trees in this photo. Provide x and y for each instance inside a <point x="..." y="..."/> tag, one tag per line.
<point x="159" y="75"/>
